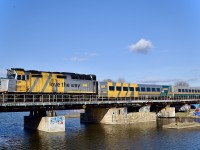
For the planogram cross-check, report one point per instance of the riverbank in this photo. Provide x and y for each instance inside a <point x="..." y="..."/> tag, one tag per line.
<point x="181" y="125"/>
<point x="189" y="114"/>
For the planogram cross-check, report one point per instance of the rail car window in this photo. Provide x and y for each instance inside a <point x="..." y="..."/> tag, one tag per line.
<point x="195" y="91"/>
<point x="186" y="90"/>
<point x="125" y="88"/>
<point x="158" y="89"/>
<point x="183" y="90"/>
<point x="143" y="89"/>
<point x="198" y="91"/>
<point x="27" y="77"/>
<point x="153" y="89"/>
<point x="192" y="91"/>
<point x="11" y="76"/>
<point x="131" y="88"/>
<point x="189" y="91"/>
<point x="179" y="90"/>
<point x="118" y="88"/>
<point x="137" y="89"/>
<point x="111" y="88"/>
<point x="148" y="90"/>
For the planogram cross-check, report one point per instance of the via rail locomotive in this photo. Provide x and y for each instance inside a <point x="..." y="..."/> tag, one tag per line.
<point x="32" y="81"/>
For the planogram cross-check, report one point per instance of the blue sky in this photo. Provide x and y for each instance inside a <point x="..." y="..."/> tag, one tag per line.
<point x="139" y="40"/>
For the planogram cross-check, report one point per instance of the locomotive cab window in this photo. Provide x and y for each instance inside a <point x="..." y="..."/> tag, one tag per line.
<point x="111" y="88"/>
<point x="20" y="77"/>
<point x="23" y="77"/>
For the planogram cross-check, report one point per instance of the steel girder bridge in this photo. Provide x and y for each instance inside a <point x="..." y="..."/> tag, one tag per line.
<point x="32" y="102"/>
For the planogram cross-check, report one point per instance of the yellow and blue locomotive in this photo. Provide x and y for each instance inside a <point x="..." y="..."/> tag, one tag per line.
<point x="32" y="81"/>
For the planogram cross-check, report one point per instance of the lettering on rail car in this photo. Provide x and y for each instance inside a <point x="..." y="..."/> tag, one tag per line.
<point x="63" y="84"/>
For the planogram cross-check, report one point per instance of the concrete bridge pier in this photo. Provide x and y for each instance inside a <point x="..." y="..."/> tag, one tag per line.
<point x="167" y="112"/>
<point x="116" y="115"/>
<point x="39" y="120"/>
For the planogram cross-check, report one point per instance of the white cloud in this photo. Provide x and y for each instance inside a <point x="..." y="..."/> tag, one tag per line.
<point x="142" y="46"/>
<point x="78" y="59"/>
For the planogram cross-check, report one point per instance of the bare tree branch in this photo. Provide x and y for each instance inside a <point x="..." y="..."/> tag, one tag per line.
<point x="181" y="83"/>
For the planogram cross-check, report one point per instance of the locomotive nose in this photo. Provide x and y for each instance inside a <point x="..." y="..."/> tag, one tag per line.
<point x="4" y="85"/>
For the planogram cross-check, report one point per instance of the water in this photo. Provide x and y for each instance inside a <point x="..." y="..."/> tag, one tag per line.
<point x="139" y="136"/>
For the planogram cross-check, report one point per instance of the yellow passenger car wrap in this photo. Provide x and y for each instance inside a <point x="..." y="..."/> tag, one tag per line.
<point x="136" y="94"/>
<point x="117" y="89"/>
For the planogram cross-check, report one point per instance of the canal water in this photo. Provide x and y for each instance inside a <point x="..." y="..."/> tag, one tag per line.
<point x="140" y="136"/>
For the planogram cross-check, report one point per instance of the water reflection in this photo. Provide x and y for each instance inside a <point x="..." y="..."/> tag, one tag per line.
<point x="149" y="135"/>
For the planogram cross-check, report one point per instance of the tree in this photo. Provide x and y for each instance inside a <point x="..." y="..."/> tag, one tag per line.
<point x="107" y="80"/>
<point x="121" y="80"/>
<point x="181" y="83"/>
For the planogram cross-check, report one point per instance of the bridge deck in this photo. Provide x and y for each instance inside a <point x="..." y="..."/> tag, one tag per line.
<point x="24" y="102"/>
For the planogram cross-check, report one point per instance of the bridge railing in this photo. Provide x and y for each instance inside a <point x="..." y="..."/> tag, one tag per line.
<point x="33" y="98"/>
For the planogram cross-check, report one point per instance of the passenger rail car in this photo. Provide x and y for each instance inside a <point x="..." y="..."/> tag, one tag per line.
<point x="20" y="81"/>
<point x="117" y="89"/>
<point x="186" y="92"/>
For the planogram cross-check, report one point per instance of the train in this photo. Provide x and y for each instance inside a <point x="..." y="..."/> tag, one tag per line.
<point x="19" y="80"/>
